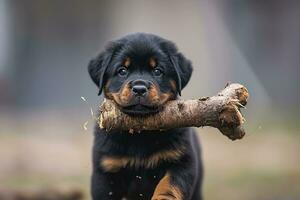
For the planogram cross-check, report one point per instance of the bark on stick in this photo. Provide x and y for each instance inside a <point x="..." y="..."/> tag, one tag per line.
<point x="221" y="111"/>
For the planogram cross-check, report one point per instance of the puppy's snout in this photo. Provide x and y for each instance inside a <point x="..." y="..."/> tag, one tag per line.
<point x="139" y="90"/>
<point x="139" y="87"/>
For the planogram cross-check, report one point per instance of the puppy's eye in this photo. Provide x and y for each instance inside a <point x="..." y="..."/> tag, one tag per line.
<point x="157" y="72"/>
<point x="122" y="71"/>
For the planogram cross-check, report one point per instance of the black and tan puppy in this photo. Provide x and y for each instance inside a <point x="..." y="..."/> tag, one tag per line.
<point x="141" y="72"/>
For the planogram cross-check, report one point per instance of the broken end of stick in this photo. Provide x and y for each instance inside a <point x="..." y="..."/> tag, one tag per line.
<point x="231" y="122"/>
<point x="109" y="114"/>
<point x="233" y="133"/>
<point x="230" y="117"/>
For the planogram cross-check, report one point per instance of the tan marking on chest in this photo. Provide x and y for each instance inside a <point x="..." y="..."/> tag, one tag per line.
<point x="115" y="163"/>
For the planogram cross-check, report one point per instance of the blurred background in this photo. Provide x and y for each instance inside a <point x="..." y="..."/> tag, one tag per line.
<point x="45" y="47"/>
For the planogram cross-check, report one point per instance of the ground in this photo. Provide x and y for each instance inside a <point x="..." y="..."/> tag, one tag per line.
<point x="263" y="165"/>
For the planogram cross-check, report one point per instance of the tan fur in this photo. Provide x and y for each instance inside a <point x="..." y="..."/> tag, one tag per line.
<point x="152" y="62"/>
<point x="173" y="85"/>
<point x="166" y="191"/>
<point x="122" y="97"/>
<point x="127" y="62"/>
<point x="114" y="163"/>
<point x="156" y="97"/>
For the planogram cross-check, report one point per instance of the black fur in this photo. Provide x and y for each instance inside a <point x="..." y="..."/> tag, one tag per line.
<point x="138" y="182"/>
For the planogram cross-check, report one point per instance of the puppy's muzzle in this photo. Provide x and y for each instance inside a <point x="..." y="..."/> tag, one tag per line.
<point x="139" y="87"/>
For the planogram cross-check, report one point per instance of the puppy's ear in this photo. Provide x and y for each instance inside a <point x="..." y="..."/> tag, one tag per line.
<point x="183" y="69"/>
<point x="182" y="66"/>
<point x="97" y="68"/>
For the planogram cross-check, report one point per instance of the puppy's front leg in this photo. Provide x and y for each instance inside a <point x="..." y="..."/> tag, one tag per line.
<point x="101" y="187"/>
<point x="175" y="185"/>
<point x="166" y="190"/>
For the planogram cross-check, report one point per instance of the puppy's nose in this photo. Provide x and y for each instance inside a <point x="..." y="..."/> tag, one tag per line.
<point x="139" y="90"/>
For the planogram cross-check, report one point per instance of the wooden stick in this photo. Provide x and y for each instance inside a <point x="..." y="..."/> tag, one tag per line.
<point x="221" y="111"/>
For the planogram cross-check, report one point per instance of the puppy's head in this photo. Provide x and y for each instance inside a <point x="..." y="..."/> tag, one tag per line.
<point x="140" y="72"/>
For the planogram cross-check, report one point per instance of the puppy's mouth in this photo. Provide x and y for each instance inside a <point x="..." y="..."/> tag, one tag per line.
<point x="140" y="109"/>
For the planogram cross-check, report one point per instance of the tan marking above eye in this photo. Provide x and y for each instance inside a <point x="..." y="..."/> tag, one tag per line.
<point x="152" y="62"/>
<point x="127" y="62"/>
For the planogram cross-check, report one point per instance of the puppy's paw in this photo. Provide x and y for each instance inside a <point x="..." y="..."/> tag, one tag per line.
<point x="166" y="191"/>
<point x="166" y="196"/>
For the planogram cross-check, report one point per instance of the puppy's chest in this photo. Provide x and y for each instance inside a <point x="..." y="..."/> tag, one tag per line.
<point x="140" y="154"/>
<point x="136" y="184"/>
<point x="161" y="157"/>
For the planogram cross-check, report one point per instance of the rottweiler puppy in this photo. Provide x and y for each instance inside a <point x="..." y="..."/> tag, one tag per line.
<point x="141" y="72"/>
